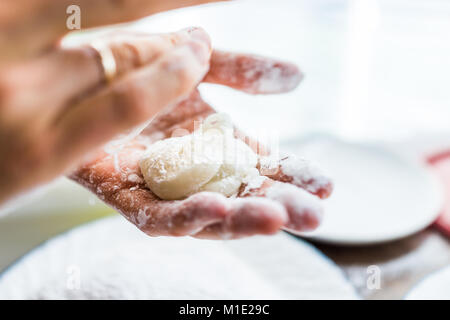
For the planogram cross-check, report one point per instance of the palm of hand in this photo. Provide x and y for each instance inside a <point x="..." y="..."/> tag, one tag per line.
<point x="289" y="200"/>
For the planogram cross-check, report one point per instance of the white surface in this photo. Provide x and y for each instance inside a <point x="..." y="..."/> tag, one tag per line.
<point x="112" y="259"/>
<point x="379" y="194"/>
<point x="434" y="287"/>
<point x="373" y="68"/>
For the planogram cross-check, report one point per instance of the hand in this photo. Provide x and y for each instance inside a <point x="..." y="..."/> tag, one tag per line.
<point x="55" y="105"/>
<point x="286" y="199"/>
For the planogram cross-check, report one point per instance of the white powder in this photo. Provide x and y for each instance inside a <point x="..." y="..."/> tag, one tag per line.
<point x="304" y="173"/>
<point x="114" y="260"/>
<point x="256" y="75"/>
<point x="142" y="218"/>
<point x="297" y="200"/>
<point x="134" y="178"/>
<point x="252" y="183"/>
<point x="273" y="80"/>
<point x="434" y="287"/>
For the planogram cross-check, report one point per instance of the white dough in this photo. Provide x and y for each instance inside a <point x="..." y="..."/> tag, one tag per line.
<point x="209" y="159"/>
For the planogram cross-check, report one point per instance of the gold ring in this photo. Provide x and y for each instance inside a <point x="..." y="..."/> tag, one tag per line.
<point x="107" y="59"/>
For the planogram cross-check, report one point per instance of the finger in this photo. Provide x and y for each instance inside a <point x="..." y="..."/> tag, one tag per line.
<point x="239" y="71"/>
<point x="252" y="74"/>
<point x="132" y="100"/>
<point x="132" y="50"/>
<point x="304" y="210"/>
<point x="73" y="72"/>
<point x="170" y="218"/>
<point x="299" y="172"/>
<point x="31" y="27"/>
<point x="247" y="217"/>
<point x="193" y="216"/>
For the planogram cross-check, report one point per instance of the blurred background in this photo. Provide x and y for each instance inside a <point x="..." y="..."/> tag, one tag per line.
<point x="377" y="73"/>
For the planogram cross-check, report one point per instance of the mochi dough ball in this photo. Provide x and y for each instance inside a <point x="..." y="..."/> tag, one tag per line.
<point x="209" y="159"/>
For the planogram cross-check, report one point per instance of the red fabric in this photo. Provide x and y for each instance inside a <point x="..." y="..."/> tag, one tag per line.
<point x="440" y="163"/>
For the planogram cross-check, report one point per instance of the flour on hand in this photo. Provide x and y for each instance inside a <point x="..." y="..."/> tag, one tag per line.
<point x="209" y="159"/>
